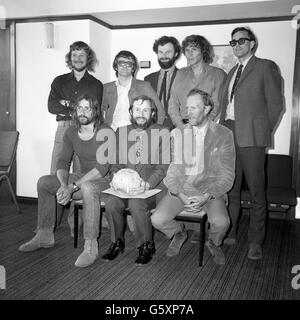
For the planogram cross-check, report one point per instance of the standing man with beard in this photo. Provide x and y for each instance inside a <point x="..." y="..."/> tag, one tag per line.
<point x="168" y="52"/>
<point x="144" y="154"/>
<point x="87" y="185"/>
<point x="67" y="87"/>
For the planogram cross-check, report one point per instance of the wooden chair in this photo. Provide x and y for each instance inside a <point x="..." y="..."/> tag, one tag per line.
<point x="8" y="148"/>
<point x="199" y="217"/>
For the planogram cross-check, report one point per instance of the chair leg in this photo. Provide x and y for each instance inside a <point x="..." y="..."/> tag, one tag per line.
<point x="13" y="194"/>
<point x="202" y="239"/>
<point x="76" y="209"/>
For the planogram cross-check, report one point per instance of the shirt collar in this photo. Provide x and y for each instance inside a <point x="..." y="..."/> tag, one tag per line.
<point x="201" y="131"/>
<point x="126" y="87"/>
<point x="245" y="62"/>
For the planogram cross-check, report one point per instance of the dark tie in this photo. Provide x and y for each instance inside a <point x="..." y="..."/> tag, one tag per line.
<point x="236" y="80"/>
<point x="163" y="91"/>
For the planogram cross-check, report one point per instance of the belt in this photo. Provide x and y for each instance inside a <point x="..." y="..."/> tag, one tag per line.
<point x="64" y="123"/>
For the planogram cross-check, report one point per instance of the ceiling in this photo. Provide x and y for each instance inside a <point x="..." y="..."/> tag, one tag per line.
<point x="120" y="13"/>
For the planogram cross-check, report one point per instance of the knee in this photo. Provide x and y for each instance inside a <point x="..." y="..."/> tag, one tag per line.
<point x="87" y="188"/>
<point x="138" y="207"/>
<point x="44" y="182"/>
<point x="158" y="220"/>
<point x="220" y="221"/>
<point x="113" y="204"/>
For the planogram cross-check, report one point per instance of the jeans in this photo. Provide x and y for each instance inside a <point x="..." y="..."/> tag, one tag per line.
<point x="89" y="192"/>
<point x="62" y="127"/>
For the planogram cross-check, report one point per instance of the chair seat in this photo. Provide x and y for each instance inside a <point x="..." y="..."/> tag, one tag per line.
<point x="282" y="196"/>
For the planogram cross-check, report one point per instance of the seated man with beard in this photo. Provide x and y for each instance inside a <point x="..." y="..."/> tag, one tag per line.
<point x="80" y="139"/>
<point x="141" y="147"/>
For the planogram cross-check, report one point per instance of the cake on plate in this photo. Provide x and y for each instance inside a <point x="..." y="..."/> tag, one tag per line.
<point x="125" y="180"/>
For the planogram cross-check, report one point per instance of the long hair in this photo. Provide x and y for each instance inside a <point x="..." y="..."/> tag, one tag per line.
<point x="199" y="42"/>
<point x="94" y="104"/>
<point x="127" y="55"/>
<point x="91" y="55"/>
<point x="152" y="104"/>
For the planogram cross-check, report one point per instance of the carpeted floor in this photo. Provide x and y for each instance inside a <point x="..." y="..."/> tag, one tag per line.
<point x="51" y="274"/>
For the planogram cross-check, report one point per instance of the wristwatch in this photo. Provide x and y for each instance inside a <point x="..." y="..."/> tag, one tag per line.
<point x="75" y="187"/>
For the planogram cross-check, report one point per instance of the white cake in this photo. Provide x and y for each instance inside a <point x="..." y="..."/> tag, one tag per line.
<point x="126" y="179"/>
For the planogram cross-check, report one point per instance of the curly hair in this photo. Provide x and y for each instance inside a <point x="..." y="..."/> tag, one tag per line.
<point x="94" y="104"/>
<point x="91" y="55"/>
<point x="167" y="39"/>
<point x="199" y="42"/>
<point x="127" y="55"/>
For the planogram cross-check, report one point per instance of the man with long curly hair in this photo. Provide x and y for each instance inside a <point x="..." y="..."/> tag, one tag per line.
<point x="67" y="87"/>
<point x="199" y="74"/>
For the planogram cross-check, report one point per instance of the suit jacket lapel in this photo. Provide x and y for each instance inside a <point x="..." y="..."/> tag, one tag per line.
<point x="249" y="67"/>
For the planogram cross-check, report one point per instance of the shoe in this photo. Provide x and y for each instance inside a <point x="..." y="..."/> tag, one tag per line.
<point x="216" y="252"/>
<point x="176" y="243"/>
<point x="114" y="249"/>
<point x="195" y="238"/>
<point x="146" y="251"/>
<point x="255" y="251"/>
<point x="42" y="239"/>
<point x="230" y="241"/>
<point x="89" y="254"/>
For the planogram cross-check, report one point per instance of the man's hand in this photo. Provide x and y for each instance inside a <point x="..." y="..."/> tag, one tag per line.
<point x="64" y="194"/>
<point x="65" y="103"/>
<point x="197" y="202"/>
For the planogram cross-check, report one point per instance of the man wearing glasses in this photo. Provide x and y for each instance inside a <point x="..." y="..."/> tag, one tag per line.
<point x="251" y="103"/>
<point x="118" y="95"/>
<point x="86" y="185"/>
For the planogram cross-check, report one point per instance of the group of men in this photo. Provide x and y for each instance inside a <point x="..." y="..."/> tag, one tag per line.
<point x="179" y="109"/>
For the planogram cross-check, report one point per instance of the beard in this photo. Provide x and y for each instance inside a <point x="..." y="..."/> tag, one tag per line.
<point x="167" y="63"/>
<point x="83" y="120"/>
<point x="141" y="126"/>
<point x="79" y="69"/>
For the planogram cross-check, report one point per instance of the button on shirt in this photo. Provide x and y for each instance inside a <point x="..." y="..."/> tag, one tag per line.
<point x="121" y="115"/>
<point x="230" y="106"/>
<point x="66" y="87"/>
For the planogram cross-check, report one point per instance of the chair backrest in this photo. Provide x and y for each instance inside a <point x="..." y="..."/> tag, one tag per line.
<point x="279" y="170"/>
<point x="8" y="147"/>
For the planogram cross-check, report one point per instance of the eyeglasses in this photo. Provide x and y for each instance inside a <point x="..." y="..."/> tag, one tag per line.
<point x="240" y="41"/>
<point x="84" y="109"/>
<point x="124" y="64"/>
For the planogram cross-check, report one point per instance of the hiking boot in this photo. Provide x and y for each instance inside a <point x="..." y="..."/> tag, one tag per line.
<point x="42" y="239"/>
<point x="176" y="243"/>
<point x="216" y="252"/>
<point x="89" y="254"/>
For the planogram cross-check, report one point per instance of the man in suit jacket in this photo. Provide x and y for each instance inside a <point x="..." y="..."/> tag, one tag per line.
<point x="168" y="52"/>
<point x="250" y="107"/>
<point x="145" y="148"/>
<point x="199" y="176"/>
<point x="118" y="95"/>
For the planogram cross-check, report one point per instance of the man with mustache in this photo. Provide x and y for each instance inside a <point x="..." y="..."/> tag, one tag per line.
<point x="86" y="185"/>
<point x="143" y="153"/>
<point x="67" y="87"/>
<point x="64" y="90"/>
<point x="168" y="52"/>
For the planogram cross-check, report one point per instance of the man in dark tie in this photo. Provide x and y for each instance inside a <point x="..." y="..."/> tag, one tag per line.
<point x="251" y="103"/>
<point x="168" y="51"/>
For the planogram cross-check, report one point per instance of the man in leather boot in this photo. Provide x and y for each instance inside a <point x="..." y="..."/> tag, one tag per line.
<point x="140" y="155"/>
<point x="63" y="187"/>
<point x="114" y="249"/>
